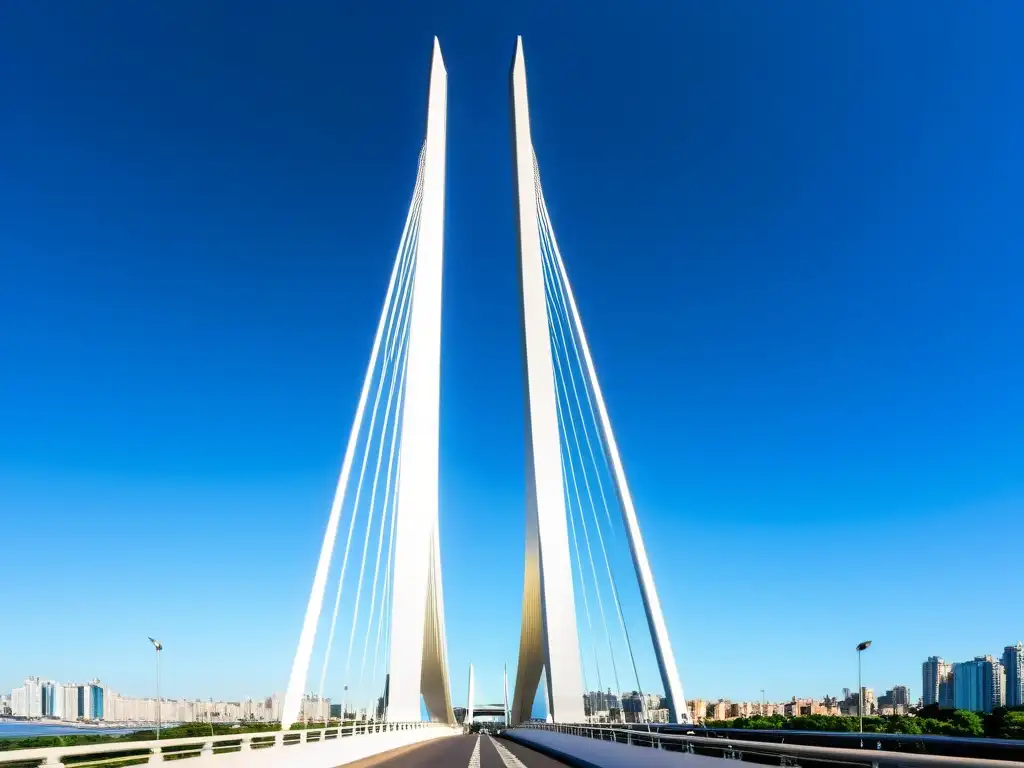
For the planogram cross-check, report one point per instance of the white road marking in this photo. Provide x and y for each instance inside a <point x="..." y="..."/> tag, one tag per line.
<point x="474" y="759"/>
<point x="510" y="760"/>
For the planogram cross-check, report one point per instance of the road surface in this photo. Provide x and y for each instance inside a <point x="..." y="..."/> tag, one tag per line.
<point x="473" y="751"/>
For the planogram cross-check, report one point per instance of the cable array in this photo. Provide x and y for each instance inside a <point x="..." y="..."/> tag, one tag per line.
<point x="367" y="500"/>
<point x="586" y="473"/>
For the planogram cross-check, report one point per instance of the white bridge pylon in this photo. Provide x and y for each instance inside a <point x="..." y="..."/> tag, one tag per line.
<point x="401" y="615"/>
<point x="549" y="639"/>
<point x="409" y="333"/>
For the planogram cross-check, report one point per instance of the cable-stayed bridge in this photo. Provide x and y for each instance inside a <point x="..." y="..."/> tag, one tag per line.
<point x="381" y="543"/>
<point x="380" y="555"/>
<point x="375" y="611"/>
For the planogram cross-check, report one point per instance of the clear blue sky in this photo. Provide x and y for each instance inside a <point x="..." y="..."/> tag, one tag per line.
<point x="795" y="231"/>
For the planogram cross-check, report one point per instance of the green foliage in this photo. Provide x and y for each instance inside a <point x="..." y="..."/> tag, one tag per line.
<point x="902" y="724"/>
<point x="184" y="731"/>
<point x="966" y="723"/>
<point x="757" y="722"/>
<point x="1013" y="726"/>
<point x="934" y="712"/>
<point x="834" y="723"/>
<point x="1003" y="724"/>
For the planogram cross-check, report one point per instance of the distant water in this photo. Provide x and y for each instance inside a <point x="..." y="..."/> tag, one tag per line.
<point x="19" y="730"/>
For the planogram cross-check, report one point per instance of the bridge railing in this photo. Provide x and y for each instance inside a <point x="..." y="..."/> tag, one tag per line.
<point x="785" y="754"/>
<point x="126" y="753"/>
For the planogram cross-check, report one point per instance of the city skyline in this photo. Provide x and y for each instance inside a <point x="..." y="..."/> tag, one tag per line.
<point x="979" y="684"/>
<point x="805" y="320"/>
<point x="601" y="706"/>
<point x="934" y="668"/>
<point x="95" y="701"/>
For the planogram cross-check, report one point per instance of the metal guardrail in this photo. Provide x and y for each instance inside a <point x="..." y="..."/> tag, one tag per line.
<point x="764" y="751"/>
<point x="123" y="753"/>
<point x="916" y="743"/>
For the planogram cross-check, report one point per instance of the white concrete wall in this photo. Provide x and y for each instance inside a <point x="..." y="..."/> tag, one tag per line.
<point x="327" y="754"/>
<point x="318" y="754"/>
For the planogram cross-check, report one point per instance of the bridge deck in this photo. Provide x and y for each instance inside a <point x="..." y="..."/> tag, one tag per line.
<point x="471" y="751"/>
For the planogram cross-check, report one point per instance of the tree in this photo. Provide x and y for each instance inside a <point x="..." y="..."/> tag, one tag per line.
<point x="1005" y="724"/>
<point x="902" y="724"/>
<point x="934" y="712"/>
<point x="966" y="723"/>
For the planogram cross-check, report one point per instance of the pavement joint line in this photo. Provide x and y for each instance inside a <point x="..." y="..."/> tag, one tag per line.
<point x="510" y="760"/>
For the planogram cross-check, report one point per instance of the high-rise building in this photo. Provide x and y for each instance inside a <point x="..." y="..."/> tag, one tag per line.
<point x="978" y="684"/>
<point x="720" y="710"/>
<point x="968" y="685"/>
<point x="933" y="672"/>
<point x="659" y="715"/>
<point x="49" y="694"/>
<point x="632" y="707"/>
<point x="95" y="700"/>
<point x="900" y="696"/>
<point x="57" y="694"/>
<point x="69" y="696"/>
<point x="636" y="705"/>
<point x="612" y="700"/>
<point x="315" y="708"/>
<point x="698" y="709"/>
<point x="600" y="701"/>
<point x="947" y="689"/>
<point x="1013" y="665"/>
<point x="870" y="702"/>
<point x="998" y="682"/>
<point x="654" y="701"/>
<point x="27" y="700"/>
<point x="894" y="701"/>
<point x="84" y="701"/>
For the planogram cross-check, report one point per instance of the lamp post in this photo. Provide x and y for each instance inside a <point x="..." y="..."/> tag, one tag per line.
<point x="860" y="688"/>
<point x="762" y="703"/>
<point x="159" y="647"/>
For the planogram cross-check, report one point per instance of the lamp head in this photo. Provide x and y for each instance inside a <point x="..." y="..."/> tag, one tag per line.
<point x="864" y="646"/>
<point x="156" y="644"/>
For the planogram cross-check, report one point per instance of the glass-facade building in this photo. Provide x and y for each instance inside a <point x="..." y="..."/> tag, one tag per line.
<point x="96" y="702"/>
<point x="978" y="684"/>
<point x="1013" y="664"/>
<point x="49" y="696"/>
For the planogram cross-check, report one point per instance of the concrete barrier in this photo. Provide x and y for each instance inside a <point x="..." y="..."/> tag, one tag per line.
<point x="322" y="748"/>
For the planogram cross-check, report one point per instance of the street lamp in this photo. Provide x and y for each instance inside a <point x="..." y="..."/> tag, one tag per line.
<point x="159" y="647"/>
<point x="762" y="703"/>
<point x="860" y="688"/>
